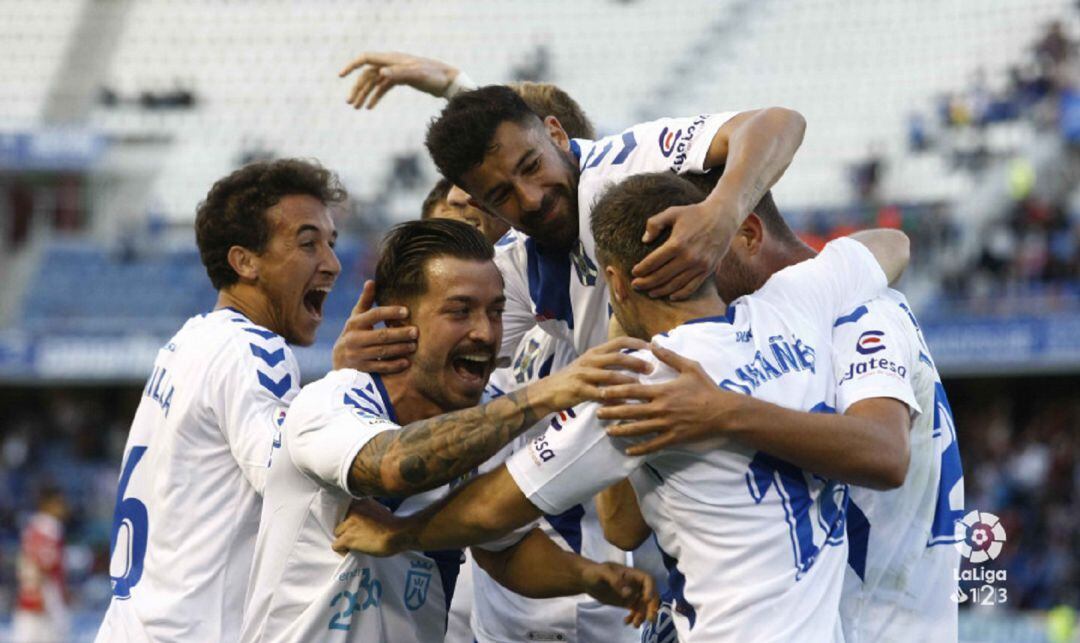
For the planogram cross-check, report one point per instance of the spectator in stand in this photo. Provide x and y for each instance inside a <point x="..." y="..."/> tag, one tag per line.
<point x="41" y="613"/>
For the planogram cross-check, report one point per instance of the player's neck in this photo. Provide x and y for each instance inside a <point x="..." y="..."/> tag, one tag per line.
<point x="250" y="302"/>
<point x="788" y="255"/>
<point x="661" y="316"/>
<point x="409" y="404"/>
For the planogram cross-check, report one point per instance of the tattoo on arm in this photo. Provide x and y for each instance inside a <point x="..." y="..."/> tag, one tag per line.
<point x="428" y="453"/>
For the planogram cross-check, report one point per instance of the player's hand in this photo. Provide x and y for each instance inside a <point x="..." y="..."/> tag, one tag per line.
<point x="369" y="528"/>
<point x="689" y="408"/>
<point x="700" y="235"/>
<point x="382" y="71"/>
<point x="621" y="586"/>
<point x="600" y="366"/>
<point x="365" y="348"/>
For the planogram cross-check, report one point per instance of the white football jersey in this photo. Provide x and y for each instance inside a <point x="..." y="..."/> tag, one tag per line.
<point x="755" y="546"/>
<point x="501" y="616"/>
<point x="187" y="506"/>
<point x="564" y="292"/>
<point x="301" y="590"/>
<point x="900" y="583"/>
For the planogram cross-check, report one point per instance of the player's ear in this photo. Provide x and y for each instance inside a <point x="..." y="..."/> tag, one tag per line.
<point x="244" y="262"/>
<point x="751" y="234"/>
<point x="557" y="133"/>
<point x="618" y="283"/>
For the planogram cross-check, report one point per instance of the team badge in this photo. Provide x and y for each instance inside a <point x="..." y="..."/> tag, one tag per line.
<point x="416" y="588"/>
<point x="870" y="342"/>
<point x="667" y="141"/>
<point x="526" y="361"/>
<point x="584" y="266"/>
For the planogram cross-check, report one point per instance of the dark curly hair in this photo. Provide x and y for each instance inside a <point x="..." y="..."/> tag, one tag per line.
<point x="234" y="212"/>
<point x="459" y="138"/>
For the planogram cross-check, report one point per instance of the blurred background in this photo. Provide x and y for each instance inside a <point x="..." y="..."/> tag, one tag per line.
<point x="955" y="120"/>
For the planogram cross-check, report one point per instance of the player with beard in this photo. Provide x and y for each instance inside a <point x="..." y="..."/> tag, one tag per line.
<point x="756" y="546"/>
<point x="354" y="434"/>
<point x="194" y="467"/>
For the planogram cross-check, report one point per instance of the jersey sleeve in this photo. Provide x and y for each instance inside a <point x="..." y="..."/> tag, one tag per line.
<point x="518" y="316"/>
<point x="677" y="144"/>
<point x="843" y="276"/>
<point x="251" y="384"/>
<point x="574" y="458"/>
<point x="327" y="427"/>
<point x="873" y="356"/>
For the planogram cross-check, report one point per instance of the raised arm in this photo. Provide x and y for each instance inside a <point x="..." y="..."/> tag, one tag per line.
<point x="754" y="148"/>
<point x="426" y="454"/>
<point x="382" y="71"/>
<point x="891" y="248"/>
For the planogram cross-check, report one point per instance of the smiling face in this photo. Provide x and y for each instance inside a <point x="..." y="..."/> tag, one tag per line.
<point x="298" y="267"/>
<point x="459" y="319"/>
<point x="528" y="179"/>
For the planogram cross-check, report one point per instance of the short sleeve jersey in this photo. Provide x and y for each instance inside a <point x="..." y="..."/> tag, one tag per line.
<point x="564" y="292"/>
<point x="194" y="469"/>
<point x="301" y="590"/>
<point x="755" y="546"/>
<point x="902" y="566"/>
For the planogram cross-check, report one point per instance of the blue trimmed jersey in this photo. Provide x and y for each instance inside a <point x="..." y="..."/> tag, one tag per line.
<point x="901" y="579"/>
<point x="755" y="547"/>
<point x="194" y="470"/>
<point x="501" y="616"/>
<point x="301" y="590"/>
<point x="563" y="292"/>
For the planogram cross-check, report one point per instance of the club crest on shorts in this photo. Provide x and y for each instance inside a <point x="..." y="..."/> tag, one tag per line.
<point x="417" y="583"/>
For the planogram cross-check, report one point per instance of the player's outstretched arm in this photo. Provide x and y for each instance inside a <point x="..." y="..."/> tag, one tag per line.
<point x="538" y="568"/>
<point x="479" y="511"/>
<point x="426" y="454"/>
<point x="381" y="71"/>
<point x="620" y="516"/>
<point x="867" y="446"/>
<point x="755" y="147"/>
<point x="891" y="248"/>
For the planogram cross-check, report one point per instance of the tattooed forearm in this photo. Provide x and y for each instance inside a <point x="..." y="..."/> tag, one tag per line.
<point x="428" y="453"/>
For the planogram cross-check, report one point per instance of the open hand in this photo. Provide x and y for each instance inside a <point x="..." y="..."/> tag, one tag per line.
<point x="369" y="528"/>
<point x="370" y="350"/>
<point x="382" y="71"/>
<point x="600" y="366"/>
<point x="621" y="586"/>
<point x="689" y="408"/>
<point x="700" y="235"/>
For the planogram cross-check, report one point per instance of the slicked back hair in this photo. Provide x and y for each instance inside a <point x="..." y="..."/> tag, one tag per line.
<point x="619" y="216"/>
<point x="547" y="99"/>
<point x="234" y="212"/>
<point x="460" y="136"/>
<point x="400" y="272"/>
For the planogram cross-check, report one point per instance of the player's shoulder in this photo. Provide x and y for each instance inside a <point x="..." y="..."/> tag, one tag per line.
<point x="341" y="389"/>
<point x="229" y="335"/>
<point x="890" y="308"/>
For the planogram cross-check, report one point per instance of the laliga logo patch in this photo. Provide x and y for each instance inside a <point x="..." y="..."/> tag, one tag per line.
<point x="870" y="342"/>
<point x="280" y="418"/>
<point x="980" y="536"/>
<point x="667" y="141"/>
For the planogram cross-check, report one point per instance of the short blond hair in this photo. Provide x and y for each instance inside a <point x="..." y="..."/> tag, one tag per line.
<point x="548" y="100"/>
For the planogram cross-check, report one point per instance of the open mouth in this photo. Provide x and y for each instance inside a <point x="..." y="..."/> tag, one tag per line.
<point x="313" y="301"/>
<point x="473" y="367"/>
